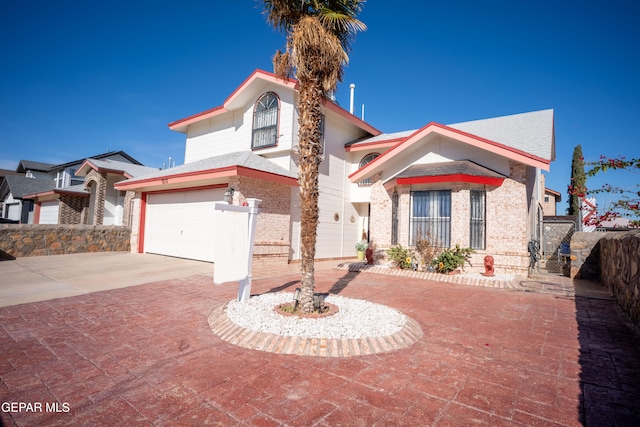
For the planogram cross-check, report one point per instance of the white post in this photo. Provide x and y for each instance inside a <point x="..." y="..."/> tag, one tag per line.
<point x="244" y="290"/>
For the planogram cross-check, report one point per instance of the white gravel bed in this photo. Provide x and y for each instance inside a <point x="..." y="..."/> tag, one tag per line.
<point x="355" y="318"/>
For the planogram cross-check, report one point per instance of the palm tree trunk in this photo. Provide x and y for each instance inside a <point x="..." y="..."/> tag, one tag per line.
<point x="309" y="140"/>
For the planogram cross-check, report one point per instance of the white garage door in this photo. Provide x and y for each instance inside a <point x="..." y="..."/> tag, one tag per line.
<point x="49" y="212"/>
<point x="13" y="211"/>
<point x="181" y="224"/>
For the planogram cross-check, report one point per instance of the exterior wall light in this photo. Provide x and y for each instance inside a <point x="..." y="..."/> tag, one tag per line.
<point x="228" y="196"/>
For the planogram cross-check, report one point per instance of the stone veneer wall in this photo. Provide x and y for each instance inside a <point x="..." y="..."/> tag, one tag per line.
<point x="24" y="240"/>
<point x="613" y="258"/>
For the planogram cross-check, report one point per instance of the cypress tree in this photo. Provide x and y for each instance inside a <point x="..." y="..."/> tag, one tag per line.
<point x="577" y="188"/>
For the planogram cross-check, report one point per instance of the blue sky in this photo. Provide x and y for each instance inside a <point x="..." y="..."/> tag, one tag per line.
<point x="82" y="77"/>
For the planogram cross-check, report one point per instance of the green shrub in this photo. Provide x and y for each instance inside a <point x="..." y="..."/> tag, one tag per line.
<point x="400" y="257"/>
<point x="450" y="259"/>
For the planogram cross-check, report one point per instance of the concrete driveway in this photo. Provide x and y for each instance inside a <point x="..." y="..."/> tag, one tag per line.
<point x="33" y="279"/>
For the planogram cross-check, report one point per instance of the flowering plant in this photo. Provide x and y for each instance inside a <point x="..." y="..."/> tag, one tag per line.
<point x="400" y="257"/>
<point x="451" y="259"/>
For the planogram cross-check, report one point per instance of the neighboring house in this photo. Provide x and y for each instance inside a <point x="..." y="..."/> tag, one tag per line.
<point x="59" y="194"/>
<point x="14" y="188"/>
<point x="475" y="183"/>
<point x="3" y="173"/>
<point x="550" y="200"/>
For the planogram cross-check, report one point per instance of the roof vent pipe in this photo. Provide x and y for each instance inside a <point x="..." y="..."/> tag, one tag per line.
<point x="353" y="89"/>
<point x="363" y="112"/>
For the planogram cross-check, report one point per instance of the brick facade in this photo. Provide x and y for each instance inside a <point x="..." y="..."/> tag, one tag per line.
<point x="506" y="219"/>
<point x="98" y="180"/>
<point x="71" y="209"/>
<point x="273" y="229"/>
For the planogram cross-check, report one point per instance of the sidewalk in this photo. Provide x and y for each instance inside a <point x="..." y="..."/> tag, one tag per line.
<point x="145" y="355"/>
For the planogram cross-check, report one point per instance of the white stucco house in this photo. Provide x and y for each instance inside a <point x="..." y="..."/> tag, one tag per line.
<point x="475" y="183"/>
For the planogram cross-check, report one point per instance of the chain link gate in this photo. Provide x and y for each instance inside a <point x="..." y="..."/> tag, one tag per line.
<point x="556" y="248"/>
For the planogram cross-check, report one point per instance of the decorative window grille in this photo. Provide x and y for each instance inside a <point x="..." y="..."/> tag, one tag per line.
<point x="394" y="218"/>
<point x="478" y="219"/>
<point x="366" y="159"/>
<point x="431" y="216"/>
<point x="265" y="121"/>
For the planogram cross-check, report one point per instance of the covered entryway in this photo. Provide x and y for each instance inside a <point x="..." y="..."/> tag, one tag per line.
<point x="181" y="223"/>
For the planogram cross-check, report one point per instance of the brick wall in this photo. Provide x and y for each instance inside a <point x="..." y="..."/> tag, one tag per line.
<point x="100" y="181"/>
<point x="24" y="240"/>
<point x="506" y="219"/>
<point x="71" y="209"/>
<point x="273" y="231"/>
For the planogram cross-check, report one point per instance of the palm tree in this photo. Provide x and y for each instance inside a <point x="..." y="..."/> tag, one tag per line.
<point x="319" y="34"/>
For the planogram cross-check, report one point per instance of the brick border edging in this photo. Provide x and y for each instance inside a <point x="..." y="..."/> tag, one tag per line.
<point x="472" y="281"/>
<point x="226" y="330"/>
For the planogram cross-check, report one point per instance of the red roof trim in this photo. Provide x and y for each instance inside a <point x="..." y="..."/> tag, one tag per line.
<point x="369" y="145"/>
<point x="222" y="108"/>
<point x="498" y="148"/>
<point x="204" y="114"/>
<point x="329" y="105"/>
<point x="187" y="177"/>
<point x="88" y="163"/>
<point x="53" y="193"/>
<point x="266" y="176"/>
<point x="276" y="79"/>
<point x="472" y="179"/>
<point x="270" y="76"/>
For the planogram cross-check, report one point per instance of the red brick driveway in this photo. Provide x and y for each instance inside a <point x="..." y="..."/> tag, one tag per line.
<point x="145" y="355"/>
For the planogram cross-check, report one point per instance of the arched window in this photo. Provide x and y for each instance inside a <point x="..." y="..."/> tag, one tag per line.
<point x="366" y="159"/>
<point x="265" y="121"/>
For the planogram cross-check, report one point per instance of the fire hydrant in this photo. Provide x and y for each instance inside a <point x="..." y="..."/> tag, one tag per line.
<point x="488" y="266"/>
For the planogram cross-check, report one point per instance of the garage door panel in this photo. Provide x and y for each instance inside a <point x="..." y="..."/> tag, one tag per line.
<point x="49" y="212"/>
<point x="181" y="224"/>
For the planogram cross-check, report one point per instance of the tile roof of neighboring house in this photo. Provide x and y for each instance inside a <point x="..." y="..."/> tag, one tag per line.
<point x="128" y="169"/>
<point x="459" y="167"/>
<point x="21" y="185"/>
<point x="243" y="159"/>
<point x="619" y="222"/>
<point x="554" y="193"/>
<point x="25" y="165"/>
